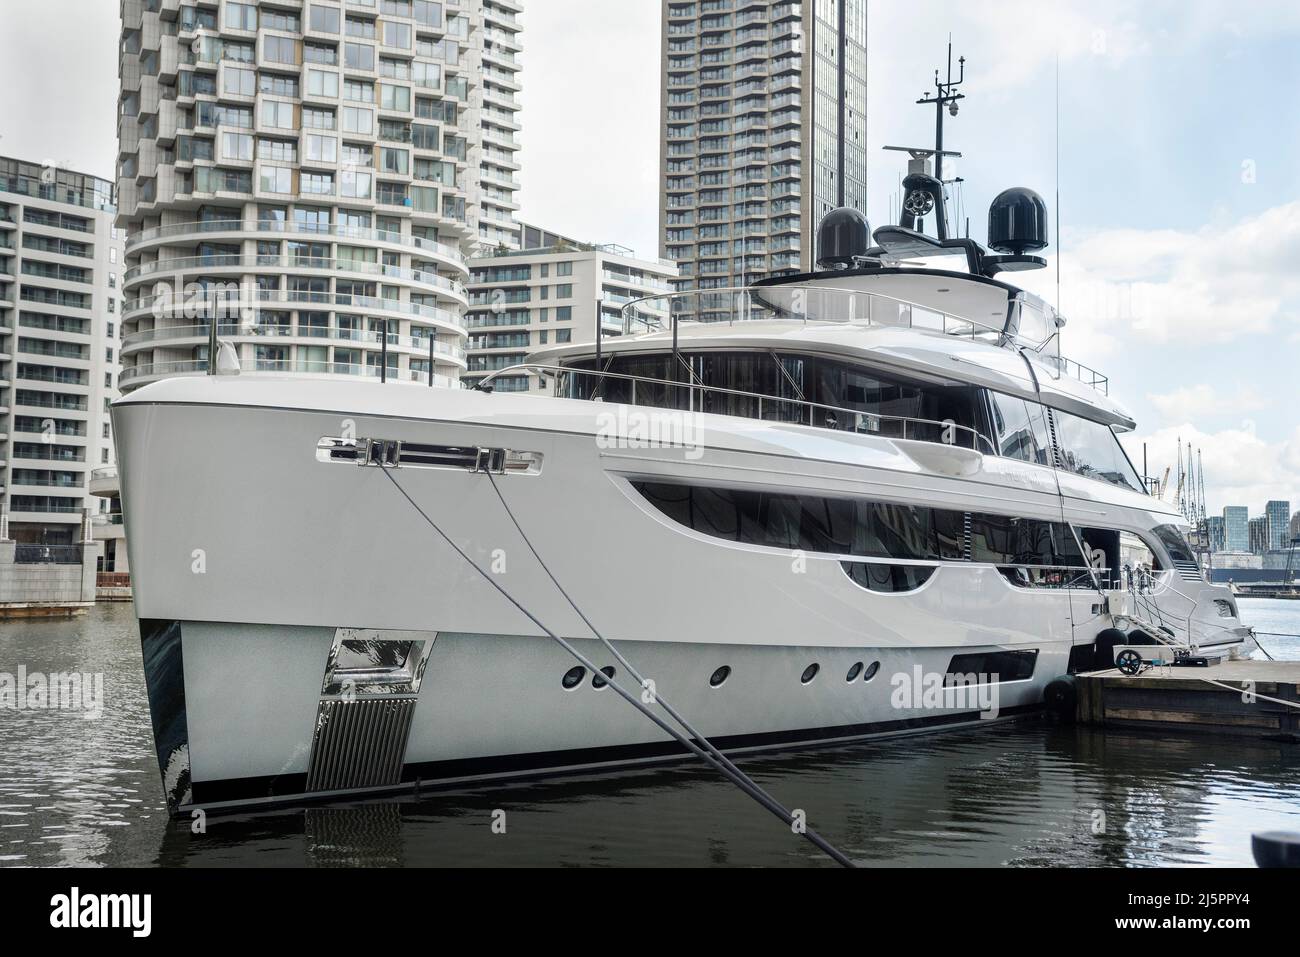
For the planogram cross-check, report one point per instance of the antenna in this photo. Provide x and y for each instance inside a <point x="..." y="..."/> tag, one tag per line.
<point x="1201" y="471"/>
<point x="1058" y="177"/>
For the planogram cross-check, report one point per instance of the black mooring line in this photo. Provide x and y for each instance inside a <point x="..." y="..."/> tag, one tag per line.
<point x="738" y="778"/>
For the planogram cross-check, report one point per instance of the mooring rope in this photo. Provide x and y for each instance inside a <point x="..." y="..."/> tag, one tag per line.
<point x="726" y="768"/>
<point x="659" y="699"/>
<point x="1261" y="697"/>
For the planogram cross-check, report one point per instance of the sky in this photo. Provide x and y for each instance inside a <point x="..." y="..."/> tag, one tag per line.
<point x="1179" y="174"/>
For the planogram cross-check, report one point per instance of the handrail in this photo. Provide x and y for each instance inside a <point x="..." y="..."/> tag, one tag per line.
<point x="906" y="318"/>
<point x="694" y="387"/>
<point x="973" y="326"/>
<point x="1085" y="374"/>
<point x="1145" y="588"/>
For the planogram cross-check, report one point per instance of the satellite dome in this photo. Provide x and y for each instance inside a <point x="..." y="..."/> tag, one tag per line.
<point x="843" y="237"/>
<point x="1018" y="222"/>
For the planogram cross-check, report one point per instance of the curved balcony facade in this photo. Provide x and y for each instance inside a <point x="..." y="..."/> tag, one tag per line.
<point x="307" y="179"/>
<point x="293" y="298"/>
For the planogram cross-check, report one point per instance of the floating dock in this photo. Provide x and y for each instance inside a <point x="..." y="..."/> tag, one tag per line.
<point x="1230" y="697"/>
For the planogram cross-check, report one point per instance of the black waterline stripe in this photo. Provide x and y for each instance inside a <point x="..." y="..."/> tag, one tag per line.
<point x="574" y="761"/>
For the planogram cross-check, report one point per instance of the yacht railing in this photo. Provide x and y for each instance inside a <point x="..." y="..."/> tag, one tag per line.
<point x="802" y="302"/>
<point x="813" y="302"/>
<point x="862" y="423"/>
<point x="1077" y="370"/>
<point x="1145" y="589"/>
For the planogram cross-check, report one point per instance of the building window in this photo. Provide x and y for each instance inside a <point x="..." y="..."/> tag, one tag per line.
<point x="397" y="35"/>
<point x="324" y="19"/>
<point x="239" y="82"/>
<point x="317" y="119"/>
<point x="322" y="149"/>
<point x="393" y="160"/>
<point x="324" y="83"/>
<point x="280" y="49"/>
<point x="276" y="179"/>
<point x="396" y="98"/>
<point x="319" y="184"/>
<point x="241" y="16"/>
<point x="358" y="120"/>
<point x="359" y="56"/>
<point x="237" y="146"/>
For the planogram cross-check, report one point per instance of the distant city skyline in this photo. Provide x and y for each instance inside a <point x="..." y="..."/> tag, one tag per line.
<point x="1234" y="529"/>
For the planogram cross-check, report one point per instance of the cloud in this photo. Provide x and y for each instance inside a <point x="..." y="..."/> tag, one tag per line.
<point x="1204" y="401"/>
<point x="1241" y="468"/>
<point x="1215" y="284"/>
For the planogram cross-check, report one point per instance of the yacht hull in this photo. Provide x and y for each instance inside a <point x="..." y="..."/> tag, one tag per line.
<point x="253" y="559"/>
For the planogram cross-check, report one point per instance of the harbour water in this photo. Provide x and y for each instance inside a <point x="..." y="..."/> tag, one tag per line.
<point x="82" y="791"/>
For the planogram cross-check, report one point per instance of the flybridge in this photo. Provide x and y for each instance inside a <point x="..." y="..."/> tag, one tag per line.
<point x="1018" y="227"/>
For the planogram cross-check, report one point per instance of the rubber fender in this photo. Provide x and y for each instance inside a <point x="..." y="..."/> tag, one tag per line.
<point x="1061" y="696"/>
<point x="1104" y="647"/>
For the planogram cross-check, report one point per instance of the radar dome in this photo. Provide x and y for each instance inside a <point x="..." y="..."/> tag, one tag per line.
<point x="1018" y="222"/>
<point x="843" y="237"/>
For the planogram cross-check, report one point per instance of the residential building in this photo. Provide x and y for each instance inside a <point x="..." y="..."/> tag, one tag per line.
<point x="1257" y="535"/>
<point x="1236" y="535"/>
<point x="313" y="176"/>
<point x="60" y="294"/>
<point x="763" y="118"/>
<point x="522" y="300"/>
<point x="1277" y="515"/>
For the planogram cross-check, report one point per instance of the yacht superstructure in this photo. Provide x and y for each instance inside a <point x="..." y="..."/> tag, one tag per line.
<point x="869" y="500"/>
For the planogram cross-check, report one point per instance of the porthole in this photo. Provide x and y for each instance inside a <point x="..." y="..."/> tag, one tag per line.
<point x="573" y="677"/>
<point x="602" y="678"/>
<point x="719" y="676"/>
<point x="810" y="673"/>
<point x="854" y="672"/>
<point x="870" y="672"/>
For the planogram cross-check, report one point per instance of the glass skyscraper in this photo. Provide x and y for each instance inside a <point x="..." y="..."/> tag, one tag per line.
<point x="1236" y="534"/>
<point x="1278" y="516"/>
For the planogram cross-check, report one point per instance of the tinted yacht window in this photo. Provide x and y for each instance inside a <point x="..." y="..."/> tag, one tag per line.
<point x="1020" y="428"/>
<point x="1091" y="449"/>
<point x="858" y="527"/>
<point x="1175" y="544"/>
<point x="863" y="400"/>
<point x="1003" y="540"/>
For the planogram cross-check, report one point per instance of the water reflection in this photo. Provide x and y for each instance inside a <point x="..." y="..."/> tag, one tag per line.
<point x="74" y="791"/>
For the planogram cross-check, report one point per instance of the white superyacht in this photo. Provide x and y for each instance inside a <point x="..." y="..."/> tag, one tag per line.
<point x="779" y="503"/>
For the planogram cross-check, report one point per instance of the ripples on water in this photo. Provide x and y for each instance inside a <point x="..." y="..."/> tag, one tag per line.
<point x="81" y="792"/>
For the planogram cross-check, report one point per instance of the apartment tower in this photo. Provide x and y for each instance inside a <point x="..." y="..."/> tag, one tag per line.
<point x="60" y="289"/>
<point x="764" y="131"/>
<point x="313" y="174"/>
<point x="552" y="292"/>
